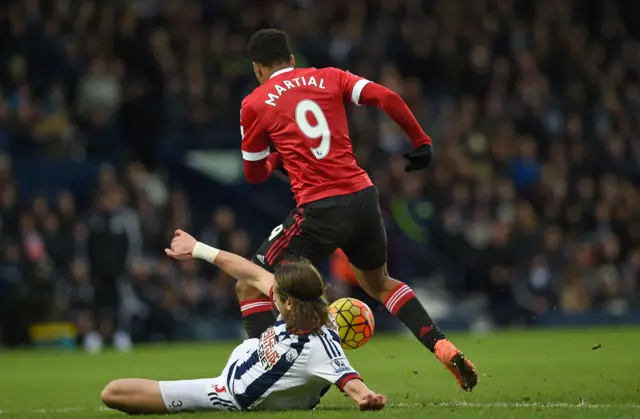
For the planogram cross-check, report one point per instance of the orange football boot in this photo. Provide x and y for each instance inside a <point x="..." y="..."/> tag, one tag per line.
<point x="455" y="361"/>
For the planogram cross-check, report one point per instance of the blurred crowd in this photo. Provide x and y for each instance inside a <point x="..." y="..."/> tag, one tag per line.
<point x="103" y="268"/>
<point x="533" y="107"/>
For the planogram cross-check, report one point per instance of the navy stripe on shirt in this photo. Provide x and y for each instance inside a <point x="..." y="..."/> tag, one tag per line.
<point x="254" y="358"/>
<point x="283" y="333"/>
<point x="334" y="345"/>
<point x="262" y="384"/>
<point x="326" y="346"/>
<point x="335" y="336"/>
<point x="230" y="383"/>
<point x="247" y="365"/>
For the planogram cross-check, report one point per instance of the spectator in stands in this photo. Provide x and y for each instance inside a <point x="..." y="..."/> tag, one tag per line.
<point x="532" y="199"/>
<point x="114" y="241"/>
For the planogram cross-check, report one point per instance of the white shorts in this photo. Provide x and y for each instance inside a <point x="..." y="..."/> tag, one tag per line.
<point x="204" y="393"/>
<point x="197" y="395"/>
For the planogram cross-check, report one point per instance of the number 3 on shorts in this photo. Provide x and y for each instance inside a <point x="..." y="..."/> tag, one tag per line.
<point x="275" y="232"/>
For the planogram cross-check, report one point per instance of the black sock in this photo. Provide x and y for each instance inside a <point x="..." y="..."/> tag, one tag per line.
<point x="258" y="316"/>
<point x="403" y="304"/>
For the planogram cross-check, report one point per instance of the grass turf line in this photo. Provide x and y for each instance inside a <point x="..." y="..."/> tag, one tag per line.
<point x="552" y="374"/>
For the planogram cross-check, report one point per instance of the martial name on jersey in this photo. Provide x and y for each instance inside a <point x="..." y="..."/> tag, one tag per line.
<point x="292" y="84"/>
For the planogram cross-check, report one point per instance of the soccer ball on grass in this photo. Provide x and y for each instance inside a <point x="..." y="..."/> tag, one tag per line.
<point x="354" y="320"/>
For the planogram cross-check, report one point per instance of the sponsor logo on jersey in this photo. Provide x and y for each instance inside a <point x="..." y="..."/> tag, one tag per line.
<point x="260" y="258"/>
<point x="268" y="349"/>
<point x="340" y="365"/>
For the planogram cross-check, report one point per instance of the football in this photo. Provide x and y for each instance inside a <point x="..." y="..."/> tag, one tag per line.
<point x="354" y="320"/>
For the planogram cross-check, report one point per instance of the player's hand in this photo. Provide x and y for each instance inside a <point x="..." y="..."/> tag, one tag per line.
<point x="373" y="401"/>
<point x="182" y="246"/>
<point x="419" y="158"/>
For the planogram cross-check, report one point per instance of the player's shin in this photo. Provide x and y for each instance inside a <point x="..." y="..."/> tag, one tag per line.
<point x="401" y="301"/>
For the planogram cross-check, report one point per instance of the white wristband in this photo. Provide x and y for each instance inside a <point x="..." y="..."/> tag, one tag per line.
<point x="205" y="252"/>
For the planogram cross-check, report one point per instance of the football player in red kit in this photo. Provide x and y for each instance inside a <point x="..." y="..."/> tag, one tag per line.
<point x="301" y="113"/>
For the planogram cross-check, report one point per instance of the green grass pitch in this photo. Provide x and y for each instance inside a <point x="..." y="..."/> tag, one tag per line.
<point x="541" y="374"/>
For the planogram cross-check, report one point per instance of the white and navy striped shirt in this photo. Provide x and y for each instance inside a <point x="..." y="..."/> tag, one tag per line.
<point x="283" y="371"/>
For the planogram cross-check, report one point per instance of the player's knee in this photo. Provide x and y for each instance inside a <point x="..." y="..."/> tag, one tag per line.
<point x="377" y="283"/>
<point x="383" y="285"/>
<point x="112" y="395"/>
<point x="247" y="292"/>
<point x="134" y="395"/>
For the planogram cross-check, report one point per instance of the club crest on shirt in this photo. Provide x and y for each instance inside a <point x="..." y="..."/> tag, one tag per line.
<point x="268" y="349"/>
<point x="340" y="365"/>
<point x="291" y="355"/>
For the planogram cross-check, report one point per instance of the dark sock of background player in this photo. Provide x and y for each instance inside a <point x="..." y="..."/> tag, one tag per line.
<point x="403" y="304"/>
<point x="258" y="316"/>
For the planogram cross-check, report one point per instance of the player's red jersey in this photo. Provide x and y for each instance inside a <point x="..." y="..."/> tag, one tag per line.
<point x="301" y="113"/>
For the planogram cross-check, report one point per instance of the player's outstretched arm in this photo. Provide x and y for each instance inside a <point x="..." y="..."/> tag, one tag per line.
<point x="185" y="246"/>
<point x="373" y="94"/>
<point x="366" y="399"/>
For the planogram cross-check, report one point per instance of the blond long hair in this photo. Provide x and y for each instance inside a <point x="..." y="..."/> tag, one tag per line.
<point x="301" y="283"/>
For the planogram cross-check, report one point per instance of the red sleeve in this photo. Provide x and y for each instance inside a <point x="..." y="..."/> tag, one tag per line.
<point x="346" y="378"/>
<point x="259" y="162"/>
<point x="361" y="91"/>
<point x="259" y="171"/>
<point x="350" y="84"/>
<point x="373" y="94"/>
<point x="255" y="142"/>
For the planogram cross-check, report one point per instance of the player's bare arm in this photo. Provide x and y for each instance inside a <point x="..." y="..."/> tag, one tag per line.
<point x="363" y="396"/>
<point x="185" y="246"/>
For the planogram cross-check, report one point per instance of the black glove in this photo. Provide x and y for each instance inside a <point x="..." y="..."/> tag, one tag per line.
<point x="419" y="158"/>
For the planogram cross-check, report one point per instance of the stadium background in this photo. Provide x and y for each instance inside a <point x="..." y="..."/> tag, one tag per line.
<point x="119" y="123"/>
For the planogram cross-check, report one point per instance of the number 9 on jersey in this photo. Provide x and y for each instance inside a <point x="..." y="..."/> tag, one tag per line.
<point x="320" y="130"/>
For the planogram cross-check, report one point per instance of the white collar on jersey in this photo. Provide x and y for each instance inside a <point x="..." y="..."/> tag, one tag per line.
<point x="284" y="70"/>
